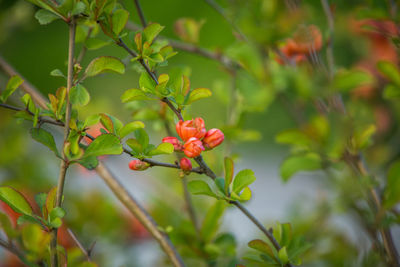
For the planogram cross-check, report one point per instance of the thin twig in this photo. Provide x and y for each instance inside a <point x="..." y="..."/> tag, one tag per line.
<point x="14" y="250"/>
<point x="64" y="161"/>
<point x="79" y="244"/>
<point x="141" y="14"/>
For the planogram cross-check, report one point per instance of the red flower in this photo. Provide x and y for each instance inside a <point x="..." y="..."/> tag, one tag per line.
<point x="174" y="141"/>
<point x="186" y="165"/>
<point x="213" y="138"/>
<point x="193" y="147"/>
<point x="192" y="128"/>
<point x="138" y="165"/>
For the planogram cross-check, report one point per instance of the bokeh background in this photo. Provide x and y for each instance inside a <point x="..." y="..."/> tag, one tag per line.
<point x="310" y="201"/>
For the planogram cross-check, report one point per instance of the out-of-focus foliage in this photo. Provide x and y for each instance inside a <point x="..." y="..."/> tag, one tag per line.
<point x="330" y="68"/>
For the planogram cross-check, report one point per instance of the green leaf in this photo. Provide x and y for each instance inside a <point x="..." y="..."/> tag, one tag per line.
<point x="119" y="20"/>
<point x="147" y="84"/>
<point x="392" y="190"/>
<point x="283" y="256"/>
<point x="15" y="200"/>
<point x="163" y="148"/>
<point x="107" y="122"/>
<point x="391" y="91"/>
<point x="293" y="164"/>
<point x="212" y="220"/>
<point x="151" y="31"/>
<point x="45" y="17"/>
<point x="41" y="199"/>
<point x="56" y="223"/>
<point x="13" y="83"/>
<point x="261" y="246"/>
<point x="132" y="95"/>
<point x="228" y="163"/>
<point x="198" y="94"/>
<point x="142" y="137"/>
<point x="94" y="43"/>
<point x="104" y="64"/>
<point x="79" y="95"/>
<point x="346" y="80"/>
<point x="57" y="73"/>
<point x="89" y="162"/>
<point x="135" y="145"/>
<point x="390" y="71"/>
<point x="57" y="212"/>
<point x="105" y="144"/>
<point x="198" y="187"/>
<point x="130" y="127"/>
<point x="243" y="179"/>
<point x="92" y="119"/>
<point x="27" y="219"/>
<point x="7" y="227"/>
<point x="51" y="200"/>
<point x="245" y="195"/>
<point x="46" y="138"/>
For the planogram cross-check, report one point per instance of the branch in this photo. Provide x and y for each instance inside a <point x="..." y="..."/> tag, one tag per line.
<point x="14" y="250"/>
<point x="134" y="207"/>
<point x="141" y="14"/>
<point x="80" y="246"/>
<point x="64" y="161"/>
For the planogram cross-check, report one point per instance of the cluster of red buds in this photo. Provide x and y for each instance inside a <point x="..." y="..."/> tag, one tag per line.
<point x="195" y="139"/>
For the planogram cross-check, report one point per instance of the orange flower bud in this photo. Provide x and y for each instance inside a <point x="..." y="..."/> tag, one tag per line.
<point x="138" y="165"/>
<point x="193" y="147"/>
<point x="174" y="141"/>
<point x="186" y="165"/>
<point x="213" y="138"/>
<point x="191" y="128"/>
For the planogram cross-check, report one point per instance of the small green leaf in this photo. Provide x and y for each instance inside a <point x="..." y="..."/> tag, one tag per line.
<point x="212" y="220"/>
<point x="79" y="95"/>
<point x="163" y="148"/>
<point x="293" y="164"/>
<point x="56" y="223"/>
<point x="261" y="246"/>
<point x="13" y="83"/>
<point x="57" y="212"/>
<point x="151" y="31"/>
<point x="198" y="94"/>
<point x="45" y="17"/>
<point x="390" y="71"/>
<point x="94" y="43"/>
<point x="293" y="137"/>
<point x="41" y="199"/>
<point x="228" y="163"/>
<point x="92" y="119"/>
<point x="198" y="187"/>
<point x="243" y="179"/>
<point x="57" y="73"/>
<point x="147" y="84"/>
<point x="347" y="80"/>
<point x="7" y="227"/>
<point x="135" y="145"/>
<point x="132" y="95"/>
<point x="89" y="162"/>
<point x="105" y="144"/>
<point x="391" y="92"/>
<point x="130" y="127"/>
<point x="46" y="138"/>
<point x="51" y="200"/>
<point x="104" y="64"/>
<point x="119" y="20"/>
<point x="107" y="122"/>
<point x="142" y="137"/>
<point x="392" y="189"/>
<point x="283" y="256"/>
<point x="15" y="200"/>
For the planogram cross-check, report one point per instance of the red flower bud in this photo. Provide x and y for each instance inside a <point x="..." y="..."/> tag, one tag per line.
<point x="213" y="138"/>
<point x="174" y="141"/>
<point x="138" y="165"/>
<point x="193" y="147"/>
<point x="186" y="165"/>
<point x="191" y="128"/>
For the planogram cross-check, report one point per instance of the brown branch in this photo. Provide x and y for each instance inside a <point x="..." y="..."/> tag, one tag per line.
<point x="80" y="246"/>
<point x="14" y="250"/>
<point x="134" y="207"/>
